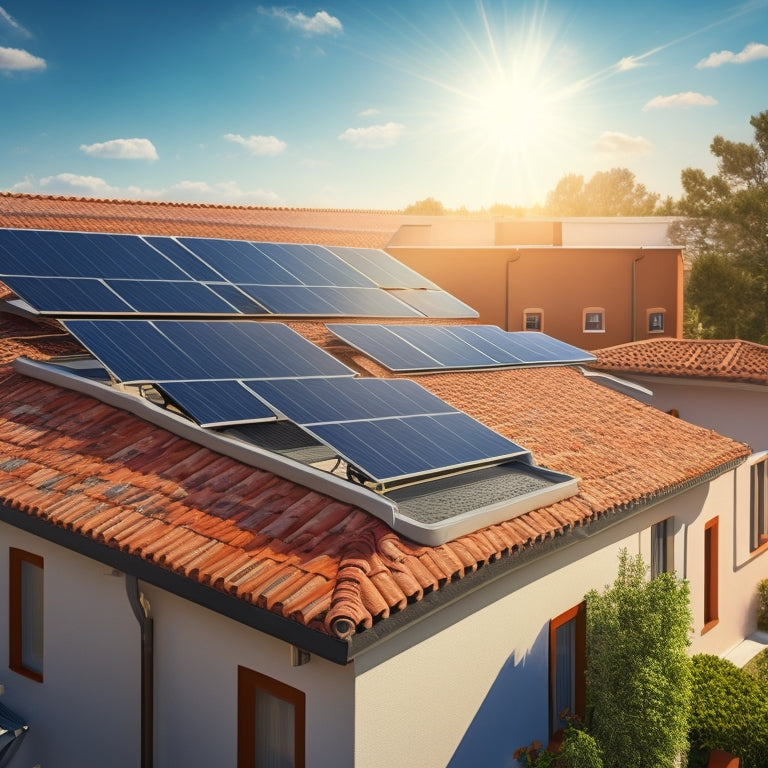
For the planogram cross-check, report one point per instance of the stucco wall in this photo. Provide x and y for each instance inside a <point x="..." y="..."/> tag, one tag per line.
<point x="470" y="685"/>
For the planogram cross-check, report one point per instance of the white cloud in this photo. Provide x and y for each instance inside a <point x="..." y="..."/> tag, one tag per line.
<point x="88" y="185"/>
<point x="16" y="60"/>
<point x="751" y="52"/>
<point x="221" y="192"/>
<point x="258" y="145"/>
<point x="620" y="145"/>
<point x="375" y="136"/>
<point x="322" y="23"/>
<point x="684" y="99"/>
<point x="122" y="149"/>
<point x="629" y="62"/>
<point x="368" y="112"/>
<point x="8" y="20"/>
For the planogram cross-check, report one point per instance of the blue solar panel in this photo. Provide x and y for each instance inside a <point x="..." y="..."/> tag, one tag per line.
<point x="192" y="265"/>
<point x="217" y="403"/>
<point x="234" y="296"/>
<point x="381" y="268"/>
<point x="323" y="301"/>
<point x="159" y="297"/>
<point x="178" y="350"/>
<point x="314" y="265"/>
<point x="67" y="295"/>
<point x="239" y="262"/>
<point x="434" y="303"/>
<point x="432" y="347"/>
<point x="310" y="401"/>
<point x="387" y="450"/>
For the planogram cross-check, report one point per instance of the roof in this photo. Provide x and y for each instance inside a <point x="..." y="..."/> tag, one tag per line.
<point x="718" y="360"/>
<point x="293" y="561"/>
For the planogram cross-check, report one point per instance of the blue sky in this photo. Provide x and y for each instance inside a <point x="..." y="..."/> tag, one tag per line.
<point x="369" y="105"/>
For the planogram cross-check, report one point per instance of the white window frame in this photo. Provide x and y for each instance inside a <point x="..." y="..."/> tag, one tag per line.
<point x="593" y="311"/>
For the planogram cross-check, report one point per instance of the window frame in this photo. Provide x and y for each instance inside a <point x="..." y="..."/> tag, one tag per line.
<point x="593" y="311"/>
<point x="532" y="312"/>
<point x="663" y="543"/>
<point x="650" y="314"/>
<point x="758" y="505"/>
<point x="577" y="614"/>
<point x="711" y="570"/>
<point x="249" y="682"/>
<point x="17" y="627"/>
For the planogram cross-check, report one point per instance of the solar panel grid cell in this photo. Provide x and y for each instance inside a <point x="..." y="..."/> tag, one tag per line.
<point x="67" y="295"/>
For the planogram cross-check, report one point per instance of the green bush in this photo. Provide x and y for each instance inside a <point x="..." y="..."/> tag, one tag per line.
<point x="579" y="750"/>
<point x="762" y="605"/>
<point x="729" y="711"/>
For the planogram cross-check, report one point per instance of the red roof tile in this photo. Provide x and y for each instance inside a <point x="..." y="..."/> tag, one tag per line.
<point x="733" y="360"/>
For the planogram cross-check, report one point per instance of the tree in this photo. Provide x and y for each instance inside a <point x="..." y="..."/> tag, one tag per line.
<point x="607" y="193"/>
<point x="426" y="207"/>
<point x="638" y="672"/>
<point x="727" y="217"/>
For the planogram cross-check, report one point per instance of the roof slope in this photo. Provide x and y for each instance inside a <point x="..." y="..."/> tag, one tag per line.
<point x="726" y="360"/>
<point x="102" y="473"/>
<point x="365" y="229"/>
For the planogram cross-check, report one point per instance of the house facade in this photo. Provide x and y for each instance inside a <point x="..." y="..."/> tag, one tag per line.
<point x="205" y="601"/>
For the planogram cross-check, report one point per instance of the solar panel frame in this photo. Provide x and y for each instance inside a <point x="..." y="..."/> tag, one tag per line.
<point x="434" y="303"/>
<point x="183" y="258"/>
<point x="67" y="295"/>
<point x="381" y="268"/>
<point x="171" y="297"/>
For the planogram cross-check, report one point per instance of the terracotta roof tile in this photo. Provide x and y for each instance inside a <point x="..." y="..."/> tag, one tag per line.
<point x="723" y="360"/>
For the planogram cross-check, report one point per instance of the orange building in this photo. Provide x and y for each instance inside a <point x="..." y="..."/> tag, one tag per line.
<point x="590" y="282"/>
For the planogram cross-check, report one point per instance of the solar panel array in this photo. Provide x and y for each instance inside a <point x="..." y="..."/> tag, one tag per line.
<point x="80" y="273"/>
<point x="436" y="347"/>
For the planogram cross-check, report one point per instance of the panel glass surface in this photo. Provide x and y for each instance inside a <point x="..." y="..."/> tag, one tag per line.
<point x="183" y="258"/>
<point x="529" y="347"/>
<point x="170" y="297"/>
<point x="434" y="303"/>
<point x="216" y="403"/>
<point x="381" y="268"/>
<point x="179" y="350"/>
<point x="395" y="449"/>
<point x="66" y="295"/>
<point x="234" y="296"/>
<point x="310" y="401"/>
<point x="323" y="301"/>
<point x="314" y="266"/>
<point x="239" y="262"/>
<point x="441" y="343"/>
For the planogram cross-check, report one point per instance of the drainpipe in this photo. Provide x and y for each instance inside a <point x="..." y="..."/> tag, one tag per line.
<point x="143" y="613"/>
<point x="511" y="261"/>
<point x="634" y="295"/>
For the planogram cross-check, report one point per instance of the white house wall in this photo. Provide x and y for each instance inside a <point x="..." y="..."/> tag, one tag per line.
<point x="85" y="713"/>
<point x="471" y="684"/>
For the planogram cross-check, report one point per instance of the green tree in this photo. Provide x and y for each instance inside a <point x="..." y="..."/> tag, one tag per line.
<point x="426" y="207"/>
<point x="638" y="672"/>
<point x="726" y="217"/>
<point x="607" y="193"/>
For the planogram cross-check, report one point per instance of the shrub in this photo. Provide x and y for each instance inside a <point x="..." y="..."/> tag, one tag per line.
<point x="579" y="750"/>
<point x="762" y="605"/>
<point x="729" y="711"/>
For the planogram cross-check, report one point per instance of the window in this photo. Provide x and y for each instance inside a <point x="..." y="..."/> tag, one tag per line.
<point x="656" y="320"/>
<point x="270" y="722"/>
<point x="567" y="660"/>
<point x="594" y="320"/>
<point x="25" y="620"/>
<point x="662" y="547"/>
<point x="758" y="483"/>
<point x="710" y="574"/>
<point x="533" y="319"/>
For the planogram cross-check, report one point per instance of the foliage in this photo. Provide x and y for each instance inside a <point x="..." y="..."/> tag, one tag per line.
<point x="762" y="605"/>
<point x="638" y="672"/>
<point x="726" y="219"/>
<point x="577" y="750"/>
<point x="729" y="711"/>
<point x="757" y="667"/>
<point x="426" y="207"/>
<point x="607" y="193"/>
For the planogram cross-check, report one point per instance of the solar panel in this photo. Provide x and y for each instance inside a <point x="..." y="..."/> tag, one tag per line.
<point x="434" y="347"/>
<point x="434" y="303"/>
<point x="325" y="300"/>
<point x="217" y="403"/>
<point x="381" y="268"/>
<point x="67" y="295"/>
<point x="189" y="350"/>
<point x="192" y="265"/>
<point x="389" y="429"/>
<point x="177" y="297"/>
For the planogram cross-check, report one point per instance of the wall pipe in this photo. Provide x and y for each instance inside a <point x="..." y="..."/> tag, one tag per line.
<point x="634" y="295"/>
<point x="143" y="612"/>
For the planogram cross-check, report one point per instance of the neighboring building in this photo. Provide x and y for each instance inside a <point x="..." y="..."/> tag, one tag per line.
<point x="204" y="597"/>
<point x="590" y="282"/>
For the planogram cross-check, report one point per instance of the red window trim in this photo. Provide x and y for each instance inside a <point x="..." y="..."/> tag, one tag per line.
<point x="17" y="557"/>
<point x="578" y="612"/>
<point x="711" y="567"/>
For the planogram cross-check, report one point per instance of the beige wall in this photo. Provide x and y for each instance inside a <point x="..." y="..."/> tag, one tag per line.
<point x="502" y="282"/>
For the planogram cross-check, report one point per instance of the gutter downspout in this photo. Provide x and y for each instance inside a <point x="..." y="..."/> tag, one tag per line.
<point x="509" y="263"/>
<point x="634" y="295"/>
<point x="143" y="613"/>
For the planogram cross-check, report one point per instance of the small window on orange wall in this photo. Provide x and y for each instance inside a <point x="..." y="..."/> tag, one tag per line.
<point x="533" y="319"/>
<point x="594" y="320"/>
<point x="655" y="319"/>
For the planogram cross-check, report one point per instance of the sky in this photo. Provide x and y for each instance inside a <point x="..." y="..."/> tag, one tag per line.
<point x="370" y="105"/>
